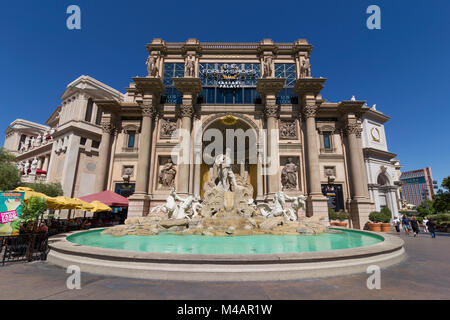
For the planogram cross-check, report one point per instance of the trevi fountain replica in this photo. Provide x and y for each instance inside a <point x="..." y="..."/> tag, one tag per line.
<point x="225" y="236"/>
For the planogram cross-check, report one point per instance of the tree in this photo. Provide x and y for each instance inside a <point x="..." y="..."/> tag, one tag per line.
<point x="32" y="211"/>
<point x="426" y="208"/>
<point x="442" y="198"/>
<point x="49" y="189"/>
<point x="9" y="174"/>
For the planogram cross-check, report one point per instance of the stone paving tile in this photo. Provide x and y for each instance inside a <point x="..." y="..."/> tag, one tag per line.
<point x="423" y="275"/>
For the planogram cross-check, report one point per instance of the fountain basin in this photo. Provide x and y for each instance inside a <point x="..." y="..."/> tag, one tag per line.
<point x="241" y="259"/>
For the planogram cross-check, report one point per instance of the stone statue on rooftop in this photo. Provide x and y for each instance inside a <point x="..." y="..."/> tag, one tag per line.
<point x="152" y="68"/>
<point x="305" y="69"/>
<point x="268" y="71"/>
<point x="190" y="66"/>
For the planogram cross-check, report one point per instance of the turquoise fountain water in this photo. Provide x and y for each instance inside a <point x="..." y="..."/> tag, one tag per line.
<point x="169" y="243"/>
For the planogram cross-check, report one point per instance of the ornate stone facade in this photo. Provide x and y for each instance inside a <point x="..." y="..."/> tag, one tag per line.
<point x="262" y="89"/>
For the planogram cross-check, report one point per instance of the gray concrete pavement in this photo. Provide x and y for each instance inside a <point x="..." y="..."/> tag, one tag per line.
<point x="423" y="275"/>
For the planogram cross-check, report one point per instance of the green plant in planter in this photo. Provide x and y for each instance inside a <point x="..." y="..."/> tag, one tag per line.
<point x="332" y="215"/>
<point x="342" y="216"/>
<point x="386" y="214"/>
<point x="376" y="217"/>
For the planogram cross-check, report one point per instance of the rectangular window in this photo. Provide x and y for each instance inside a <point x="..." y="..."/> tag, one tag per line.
<point x="326" y="140"/>
<point x="131" y="138"/>
<point x="98" y="117"/>
<point x="95" y="144"/>
<point x="89" y="107"/>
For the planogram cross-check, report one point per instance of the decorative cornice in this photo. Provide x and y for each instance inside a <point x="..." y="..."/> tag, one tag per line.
<point x="309" y="86"/>
<point x="148" y="86"/>
<point x="270" y="86"/>
<point x="188" y="85"/>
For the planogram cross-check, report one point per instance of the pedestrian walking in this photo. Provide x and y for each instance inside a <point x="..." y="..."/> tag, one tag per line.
<point x="431" y="228"/>
<point x="425" y="227"/>
<point x="406" y="224"/>
<point x="396" y="222"/>
<point x="414" y="226"/>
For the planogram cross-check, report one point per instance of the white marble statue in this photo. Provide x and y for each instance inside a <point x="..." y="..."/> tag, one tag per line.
<point x="27" y="143"/>
<point x="34" y="165"/>
<point x="23" y="147"/>
<point x="190" y="66"/>
<point x="38" y="140"/>
<point x="277" y="207"/>
<point x="26" y="166"/>
<point x="222" y="170"/>
<point x="188" y="208"/>
<point x="33" y="141"/>
<point x="20" y="166"/>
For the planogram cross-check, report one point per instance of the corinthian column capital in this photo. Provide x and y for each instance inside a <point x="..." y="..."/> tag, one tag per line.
<point x="271" y="110"/>
<point x="353" y="128"/>
<point x="186" y="110"/>
<point x="107" y="126"/>
<point x="310" y="111"/>
<point x="148" y="109"/>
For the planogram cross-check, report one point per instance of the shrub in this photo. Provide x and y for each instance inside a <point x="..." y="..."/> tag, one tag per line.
<point x="386" y="215"/>
<point x="342" y="215"/>
<point x="441" y="219"/>
<point x="376" y="216"/>
<point x="49" y="189"/>
<point x="332" y="215"/>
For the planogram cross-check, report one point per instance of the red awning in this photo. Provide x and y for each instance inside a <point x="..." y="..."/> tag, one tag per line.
<point x="107" y="197"/>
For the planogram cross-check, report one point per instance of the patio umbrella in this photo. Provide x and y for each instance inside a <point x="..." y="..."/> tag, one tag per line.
<point x="30" y="193"/>
<point x="99" y="207"/>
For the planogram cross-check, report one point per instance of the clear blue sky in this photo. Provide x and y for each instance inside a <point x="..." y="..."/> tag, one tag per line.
<point x="404" y="68"/>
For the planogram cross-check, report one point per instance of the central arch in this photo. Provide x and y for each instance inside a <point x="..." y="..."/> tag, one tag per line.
<point x="247" y="169"/>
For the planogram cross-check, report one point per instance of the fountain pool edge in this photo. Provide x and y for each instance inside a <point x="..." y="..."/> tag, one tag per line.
<point x="225" y="267"/>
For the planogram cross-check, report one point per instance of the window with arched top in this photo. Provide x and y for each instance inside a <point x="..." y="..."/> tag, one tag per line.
<point x="130" y="138"/>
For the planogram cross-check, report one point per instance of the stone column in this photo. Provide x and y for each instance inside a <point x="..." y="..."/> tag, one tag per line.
<point x="310" y="110"/>
<point x="104" y="153"/>
<point x="189" y="87"/>
<point x="46" y="160"/>
<point x="271" y="113"/>
<point x="353" y="131"/>
<point x="143" y="166"/>
<point x="360" y="204"/>
<point x="308" y="90"/>
<point x="268" y="88"/>
<point x="260" y="182"/>
<point x="150" y="89"/>
<point x="197" y="169"/>
<point x="186" y="112"/>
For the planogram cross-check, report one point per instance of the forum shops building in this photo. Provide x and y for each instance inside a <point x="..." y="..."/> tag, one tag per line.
<point x="99" y="139"/>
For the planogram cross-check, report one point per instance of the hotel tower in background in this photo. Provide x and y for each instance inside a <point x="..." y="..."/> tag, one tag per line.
<point x="417" y="186"/>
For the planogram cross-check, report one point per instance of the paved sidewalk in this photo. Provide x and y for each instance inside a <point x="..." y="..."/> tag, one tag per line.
<point x="423" y="275"/>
